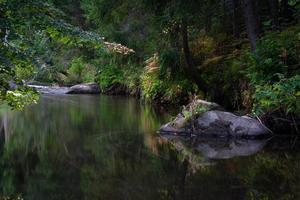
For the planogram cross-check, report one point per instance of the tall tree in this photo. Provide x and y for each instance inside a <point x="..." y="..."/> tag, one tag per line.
<point x="185" y="46"/>
<point x="251" y="15"/>
<point x="235" y="18"/>
<point x="274" y="11"/>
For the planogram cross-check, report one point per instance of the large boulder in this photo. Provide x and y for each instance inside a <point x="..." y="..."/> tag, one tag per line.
<point x="217" y="124"/>
<point x="85" y="88"/>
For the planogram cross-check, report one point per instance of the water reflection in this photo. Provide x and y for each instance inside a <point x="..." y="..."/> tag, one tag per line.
<point x="97" y="147"/>
<point x="217" y="148"/>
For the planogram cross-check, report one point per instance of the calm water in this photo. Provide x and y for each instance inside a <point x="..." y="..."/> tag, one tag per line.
<point x="98" y="147"/>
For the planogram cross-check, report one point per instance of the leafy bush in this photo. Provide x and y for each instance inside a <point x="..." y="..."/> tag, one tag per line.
<point x="284" y="93"/>
<point x="76" y="68"/>
<point x="169" y="62"/>
<point x="21" y="97"/>
<point x="109" y="75"/>
<point x="80" y="71"/>
<point x="24" y="72"/>
<point x="165" y="91"/>
<point x="271" y="71"/>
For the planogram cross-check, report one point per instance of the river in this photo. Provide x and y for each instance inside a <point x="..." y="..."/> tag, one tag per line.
<point x="99" y="147"/>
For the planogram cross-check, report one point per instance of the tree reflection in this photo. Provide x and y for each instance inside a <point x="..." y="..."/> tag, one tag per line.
<point x="90" y="147"/>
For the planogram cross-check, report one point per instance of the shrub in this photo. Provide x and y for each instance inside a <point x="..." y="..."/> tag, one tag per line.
<point x="271" y="71"/>
<point x="163" y="89"/>
<point x="80" y="71"/>
<point x="109" y="75"/>
<point x="76" y="69"/>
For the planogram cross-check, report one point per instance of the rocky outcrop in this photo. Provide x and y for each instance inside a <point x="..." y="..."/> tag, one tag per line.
<point x="85" y="88"/>
<point x="215" y="123"/>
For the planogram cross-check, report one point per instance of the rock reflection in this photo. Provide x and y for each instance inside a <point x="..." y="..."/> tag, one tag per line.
<point x="225" y="149"/>
<point x="217" y="148"/>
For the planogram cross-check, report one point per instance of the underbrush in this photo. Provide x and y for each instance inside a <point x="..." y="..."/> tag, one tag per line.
<point x="273" y="72"/>
<point x="162" y="84"/>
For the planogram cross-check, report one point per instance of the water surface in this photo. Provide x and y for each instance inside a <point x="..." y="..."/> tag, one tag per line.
<point x="99" y="147"/>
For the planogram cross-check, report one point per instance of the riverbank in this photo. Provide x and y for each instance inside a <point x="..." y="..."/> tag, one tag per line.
<point x="198" y="118"/>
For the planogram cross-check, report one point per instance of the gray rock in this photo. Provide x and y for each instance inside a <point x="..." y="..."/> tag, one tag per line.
<point x="85" y="88"/>
<point x="12" y="85"/>
<point x="50" y="89"/>
<point x="226" y="123"/>
<point x="218" y="124"/>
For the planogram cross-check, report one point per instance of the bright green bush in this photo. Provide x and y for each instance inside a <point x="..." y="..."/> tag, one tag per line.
<point x="21" y="97"/>
<point x="24" y="72"/>
<point x="76" y="69"/>
<point x="109" y="75"/>
<point x="80" y="71"/>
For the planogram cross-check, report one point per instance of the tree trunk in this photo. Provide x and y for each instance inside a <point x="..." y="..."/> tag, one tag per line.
<point x="284" y="6"/>
<point x="235" y="18"/>
<point x="208" y="23"/>
<point x="252" y="21"/>
<point x="185" y="45"/>
<point x="274" y="11"/>
<point x="78" y="15"/>
<point x="286" y="12"/>
<point x="190" y="69"/>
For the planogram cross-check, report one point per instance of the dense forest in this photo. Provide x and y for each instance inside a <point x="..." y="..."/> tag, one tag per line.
<point x="242" y="54"/>
<point x="229" y="68"/>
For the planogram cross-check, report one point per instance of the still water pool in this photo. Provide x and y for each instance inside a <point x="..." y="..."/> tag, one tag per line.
<point x="100" y="147"/>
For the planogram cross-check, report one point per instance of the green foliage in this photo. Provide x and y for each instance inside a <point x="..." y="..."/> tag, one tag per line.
<point x="76" y="68"/>
<point x="283" y="94"/>
<point x="169" y="61"/>
<point x="21" y="97"/>
<point x="24" y="72"/>
<point x="30" y="31"/>
<point x="110" y="75"/>
<point x="166" y="91"/>
<point x="272" y="72"/>
<point x="275" y="54"/>
<point x="193" y="110"/>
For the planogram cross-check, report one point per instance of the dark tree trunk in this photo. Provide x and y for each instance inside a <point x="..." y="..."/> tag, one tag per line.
<point x="185" y="45"/>
<point x="190" y="69"/>
<point x="284" y="6"/>
<point x="274" y="11"/>
<point x="175" y="37"/>
<point x="252" y="21"/>
<point x="286" y="11"/>
<point x="235" y="17"/>
<point x="78" y="14"/>
<point x="208" y="23"/>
